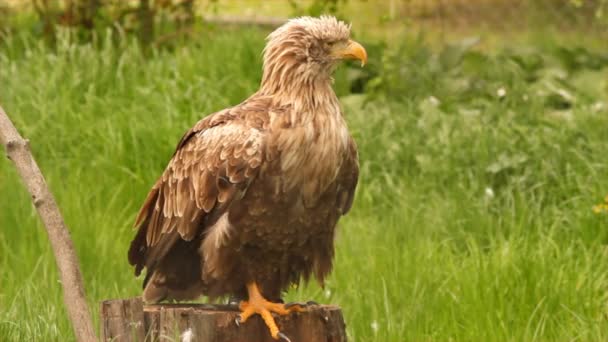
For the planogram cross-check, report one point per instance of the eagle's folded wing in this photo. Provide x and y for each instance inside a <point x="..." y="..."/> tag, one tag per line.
<point x="214" y="162"/>
<point x="348" y="178"/>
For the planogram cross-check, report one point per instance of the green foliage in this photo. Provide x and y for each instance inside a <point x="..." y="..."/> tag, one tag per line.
<point x="460" y="72"/>
<point x="473" y="219"/>
<point x="316" y="7"/>
<point x="599" y="7"/>
<point x="87" y="19"/>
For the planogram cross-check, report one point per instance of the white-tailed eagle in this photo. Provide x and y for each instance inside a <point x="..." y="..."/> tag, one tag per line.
<point x="249" y="202"/>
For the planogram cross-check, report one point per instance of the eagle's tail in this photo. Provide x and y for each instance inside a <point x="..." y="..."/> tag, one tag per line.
<point x="155" y="290"/>
<point x="175" y="275"/>
<point x="159" y="289"/>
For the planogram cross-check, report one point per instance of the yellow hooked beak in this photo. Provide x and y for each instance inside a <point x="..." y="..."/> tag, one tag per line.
<point x="352" y="50"/>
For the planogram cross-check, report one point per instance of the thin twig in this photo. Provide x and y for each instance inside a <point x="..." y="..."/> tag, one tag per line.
<point x="18" y="151"/>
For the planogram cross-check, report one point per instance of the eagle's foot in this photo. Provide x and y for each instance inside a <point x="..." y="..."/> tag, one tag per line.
<point x="259" y="305"/>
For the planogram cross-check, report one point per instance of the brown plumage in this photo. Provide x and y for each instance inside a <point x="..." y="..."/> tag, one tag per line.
<point x="253" y="193"/>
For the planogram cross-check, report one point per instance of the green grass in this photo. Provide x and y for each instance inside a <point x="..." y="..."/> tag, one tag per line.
<point x="427" y="253"/>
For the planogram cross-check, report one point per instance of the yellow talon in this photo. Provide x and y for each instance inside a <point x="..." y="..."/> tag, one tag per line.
<point x="258" y="304"/>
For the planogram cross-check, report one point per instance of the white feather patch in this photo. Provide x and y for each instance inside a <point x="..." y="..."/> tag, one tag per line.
<point x="220" y="231"/>
<point x="187" y="335"/>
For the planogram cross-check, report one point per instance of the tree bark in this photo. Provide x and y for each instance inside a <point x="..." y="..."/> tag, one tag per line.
<point x="46" y="18"/>
<point x="146" y="22"/>
<point x="69" y="271"/>
<point x="121" y="322"/>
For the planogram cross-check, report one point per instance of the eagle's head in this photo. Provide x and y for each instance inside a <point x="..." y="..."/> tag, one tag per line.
<point x="305" y="50"/>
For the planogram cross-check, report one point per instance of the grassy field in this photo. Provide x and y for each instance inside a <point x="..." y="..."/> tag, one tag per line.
<point x="473" y="218"/>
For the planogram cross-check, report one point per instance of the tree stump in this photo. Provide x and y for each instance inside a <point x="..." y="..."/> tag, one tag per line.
<point x="126" y="320"/>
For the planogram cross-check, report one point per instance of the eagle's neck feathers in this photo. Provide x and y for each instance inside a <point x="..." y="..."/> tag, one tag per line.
<point x="299" y="89"/>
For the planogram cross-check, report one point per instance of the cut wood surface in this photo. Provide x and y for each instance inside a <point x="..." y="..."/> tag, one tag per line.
<point x="122" y="320"/>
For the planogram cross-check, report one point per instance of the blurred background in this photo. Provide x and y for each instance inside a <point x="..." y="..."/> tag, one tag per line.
<point x="482" y="126"/>
<point x="156" y="21"/>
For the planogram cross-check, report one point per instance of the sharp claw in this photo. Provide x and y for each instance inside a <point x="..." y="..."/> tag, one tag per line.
<point x="237" y="321"/>
<point x="288" y="305"/>
<point x="233" y="301"/>
<point x="301" y="304"/>
<point x="283" y="337"/>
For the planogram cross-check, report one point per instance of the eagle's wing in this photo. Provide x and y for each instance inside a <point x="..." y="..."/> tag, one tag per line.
<point x="343" y="188"/>
<point x="214" y="162"/>
<point x="348" y="178"/>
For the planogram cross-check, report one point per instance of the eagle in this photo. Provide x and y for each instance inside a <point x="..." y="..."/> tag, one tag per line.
<point x="248" y="204"/>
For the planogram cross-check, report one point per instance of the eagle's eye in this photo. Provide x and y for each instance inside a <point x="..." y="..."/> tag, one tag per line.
<point x="329" y="44"/>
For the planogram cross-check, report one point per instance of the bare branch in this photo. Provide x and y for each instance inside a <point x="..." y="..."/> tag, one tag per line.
<point x="18" y="151"/>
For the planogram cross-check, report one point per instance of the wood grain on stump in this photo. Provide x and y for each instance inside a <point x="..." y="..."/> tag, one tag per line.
<point x="130" y="320"/>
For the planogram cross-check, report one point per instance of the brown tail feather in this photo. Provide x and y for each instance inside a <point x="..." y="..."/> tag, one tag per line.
<point x="154" y="291"/>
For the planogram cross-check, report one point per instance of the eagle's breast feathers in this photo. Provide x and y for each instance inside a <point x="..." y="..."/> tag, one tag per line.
<point x="312" y="148"/>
